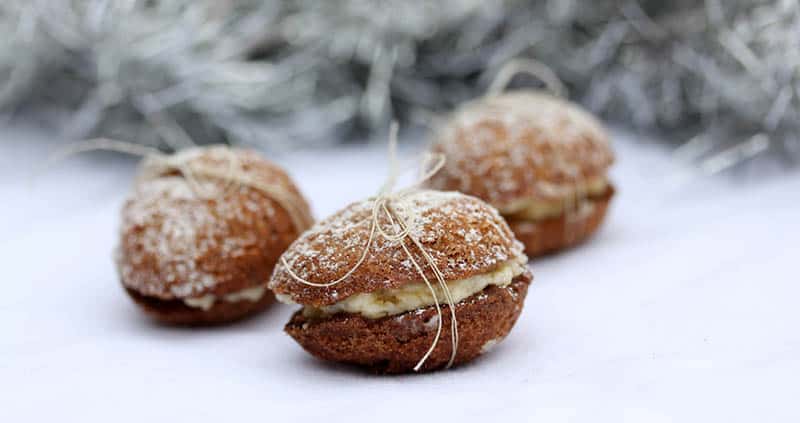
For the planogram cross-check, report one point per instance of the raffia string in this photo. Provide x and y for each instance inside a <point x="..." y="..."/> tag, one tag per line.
<point x="531" y="67"/>
<point x="573" y="201"/>
<point x="402" y="220"/>
<point x="232" y="176"/>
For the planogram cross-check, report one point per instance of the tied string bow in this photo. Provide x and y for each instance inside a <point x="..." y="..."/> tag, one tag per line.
<point x="400" y="230"/>
<point x="159" y="164"/>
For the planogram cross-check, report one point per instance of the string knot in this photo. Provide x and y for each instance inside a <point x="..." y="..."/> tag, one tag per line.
<point x="388" y="203"/>
<point x="157" y="164"/>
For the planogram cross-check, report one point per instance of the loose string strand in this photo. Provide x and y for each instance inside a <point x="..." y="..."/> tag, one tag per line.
<point x="439" y="314"/>
<point x="531" y="67"/>
<point x="443" y="284"/>
<point x="573" y="200"/>
<point x="96" y="144"/>
<point x="391" y="177"/>
<point x="352" y="270"/>
<point x="300" y="218"/>
<point x="385" y="202"/>
<point x="233" y="175"/>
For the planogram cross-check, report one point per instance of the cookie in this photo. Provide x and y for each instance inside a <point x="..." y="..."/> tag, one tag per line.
<point x="394" y="344"/>
<point x="202" y="231"/>
<point x="540" y="160"/>
<point x="382" y="315"/>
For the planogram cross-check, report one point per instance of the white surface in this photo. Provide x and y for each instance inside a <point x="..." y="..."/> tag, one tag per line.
<point x="684" y="307"/>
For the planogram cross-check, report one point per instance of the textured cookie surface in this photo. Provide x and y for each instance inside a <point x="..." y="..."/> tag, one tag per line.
<point x="395" y="344"/>
<point x="553" y="234"/>
<point x="520" y="145"/>
<point x="180" y="241"/>
<point x="462" y="234"/>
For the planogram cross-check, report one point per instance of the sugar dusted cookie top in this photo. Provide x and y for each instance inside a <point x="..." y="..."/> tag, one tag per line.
<point x="522" y="144"/>
<point x="463" y="235"/>
<point x="177" y="244"/>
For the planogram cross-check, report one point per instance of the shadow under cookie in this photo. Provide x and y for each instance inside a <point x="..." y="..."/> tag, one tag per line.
<point x="176" y="312"/>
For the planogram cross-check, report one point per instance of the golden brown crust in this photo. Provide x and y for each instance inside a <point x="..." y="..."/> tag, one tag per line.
<point x="550" y="235"/>
<point x="395" y="344"/>
<point x="464" y="235"/>
<point x="177" y="243"/>
<point x="175" y="312"/>
<point x="520" y="145"/>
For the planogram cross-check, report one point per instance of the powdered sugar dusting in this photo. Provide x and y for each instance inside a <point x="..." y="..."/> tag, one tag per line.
<point x="175" y="231"/>
<point x="520" y="144"/>
<point x="463" y="235"/>
<point x="177" y="244"/>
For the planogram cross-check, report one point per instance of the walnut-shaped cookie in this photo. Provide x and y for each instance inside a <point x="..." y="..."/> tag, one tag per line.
<point x="202" y="231"/>
<point x="540" y="160"/>
<point x="441" y="295"/>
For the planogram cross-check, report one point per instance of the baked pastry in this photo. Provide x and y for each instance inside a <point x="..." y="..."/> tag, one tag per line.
<point x="202" y="231"/>
<point x="381" y="315"/>
<point x="541" y="161"/>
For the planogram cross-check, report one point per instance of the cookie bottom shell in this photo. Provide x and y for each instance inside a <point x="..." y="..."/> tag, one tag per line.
<point x="557" y="233"/>
<point x="175" y="312"/>
<point x="394" y="344"/>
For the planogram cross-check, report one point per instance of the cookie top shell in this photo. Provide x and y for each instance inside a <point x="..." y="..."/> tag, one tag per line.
<point x="522" y="144"/>
<point x="179" y="243"/>
<point x="463" y="235"/>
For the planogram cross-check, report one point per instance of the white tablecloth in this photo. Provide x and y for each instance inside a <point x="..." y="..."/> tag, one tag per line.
<point x="683" y="308"/>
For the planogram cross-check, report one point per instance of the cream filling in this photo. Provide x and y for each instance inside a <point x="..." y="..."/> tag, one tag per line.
<point x="536" y="209"/>
<point x="205" y="302"/>
<point x="387" y="302"/>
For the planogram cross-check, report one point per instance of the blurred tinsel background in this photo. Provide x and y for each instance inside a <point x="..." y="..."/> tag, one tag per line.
<point x="718" y="78"/>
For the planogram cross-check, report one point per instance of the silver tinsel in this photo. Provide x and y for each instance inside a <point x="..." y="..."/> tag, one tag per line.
<point x="722" y="75"/>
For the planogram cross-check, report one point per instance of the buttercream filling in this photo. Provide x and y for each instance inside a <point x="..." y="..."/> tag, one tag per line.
<point x="387" y="302"/>
<point x="207" y="301"/>
<point x="538" y="209"/>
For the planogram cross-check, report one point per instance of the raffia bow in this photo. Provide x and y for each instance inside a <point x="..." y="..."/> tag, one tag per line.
<point x="232" y="176"/>
<point x="401" y="225"/>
